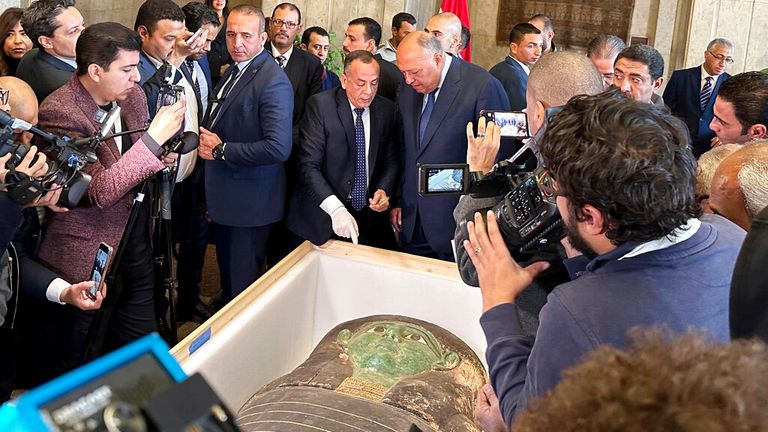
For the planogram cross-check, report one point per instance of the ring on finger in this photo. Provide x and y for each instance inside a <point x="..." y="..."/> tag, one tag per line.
<point x="478" y="250"/>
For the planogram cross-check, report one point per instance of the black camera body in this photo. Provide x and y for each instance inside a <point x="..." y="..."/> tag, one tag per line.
<point x="528" y="218"/>
<point x="63" y="171"/>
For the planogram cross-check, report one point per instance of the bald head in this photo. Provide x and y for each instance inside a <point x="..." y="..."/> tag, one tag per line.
<point x="556" y="78"/>
<point x="738" y="190"/>
<point x="21" y="99"/>
<point x="446" y="27"/>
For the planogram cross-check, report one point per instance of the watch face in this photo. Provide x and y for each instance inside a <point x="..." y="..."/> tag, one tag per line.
<point x="218" y="152"/>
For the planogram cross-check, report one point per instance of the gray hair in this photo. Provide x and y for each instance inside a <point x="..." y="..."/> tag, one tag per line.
<point x="429" y="43"/>
<point x="605" y="46"/>
<point x="707" y="165"/>
<point x="753" y="178"/>
<point x="720" y="41"/>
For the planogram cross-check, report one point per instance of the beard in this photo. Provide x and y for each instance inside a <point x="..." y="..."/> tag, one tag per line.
<point x="577" y="241"/>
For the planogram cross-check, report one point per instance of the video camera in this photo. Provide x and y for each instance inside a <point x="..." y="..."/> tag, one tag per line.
<point x="64" y="170"/>
<point x="527" y="214"/>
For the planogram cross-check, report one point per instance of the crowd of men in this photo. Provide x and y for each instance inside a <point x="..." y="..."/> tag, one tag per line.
<point x="264" y="147"/>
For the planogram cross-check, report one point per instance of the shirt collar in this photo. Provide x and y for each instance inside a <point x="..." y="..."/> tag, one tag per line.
<point x="705" y="74"/>
<point x="353" y="108"/>
<point x="680" y="234"/>
<point x="444" y="72"/>
<point x="243" y="64"/>
<point x="157" y="63"/>
<point x="287" y="55"/>
<point x="68" y="61"/>
<point x="526" y="69"/>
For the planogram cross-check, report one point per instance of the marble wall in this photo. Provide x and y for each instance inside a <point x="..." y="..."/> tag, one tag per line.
<point x="742" y="21"/>
<point x="679" y="29"/>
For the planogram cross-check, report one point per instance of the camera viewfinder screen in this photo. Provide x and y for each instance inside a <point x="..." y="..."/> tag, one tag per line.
<point x="445" y="180"/>
<point x="512" y="124"/>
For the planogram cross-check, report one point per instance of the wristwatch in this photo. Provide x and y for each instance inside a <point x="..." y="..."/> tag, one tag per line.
<point x="218" y="151"/>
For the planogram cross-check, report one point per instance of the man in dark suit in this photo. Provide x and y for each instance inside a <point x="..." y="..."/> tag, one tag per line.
<point x="303" y="69"/>
<point x="365" y="34"/>
<point x="440" y="98"/>
<point x="53" y="26"/>
<point x="525" y="45"/>
<point x="348" y="162"/>
<point x="305" y="73"/>
<point x="191" y="215"/>
<point x="691" y="93"/>
<point x="245" y="143"/>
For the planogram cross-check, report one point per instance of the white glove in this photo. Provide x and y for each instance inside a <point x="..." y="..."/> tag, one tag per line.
<point x="344" y="225"/>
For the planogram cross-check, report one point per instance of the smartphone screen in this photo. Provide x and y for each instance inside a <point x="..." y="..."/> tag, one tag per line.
<point x="513" y="124"/>
<point x="100" y="264"/>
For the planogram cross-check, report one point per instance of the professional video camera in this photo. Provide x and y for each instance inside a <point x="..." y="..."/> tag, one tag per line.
<point x="527" y="214"/>
<point x="64" y="170"/>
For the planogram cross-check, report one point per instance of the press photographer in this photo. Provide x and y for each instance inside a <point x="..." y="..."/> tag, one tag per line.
<point x="623" y="175"/>
<point x="107" y="56"/>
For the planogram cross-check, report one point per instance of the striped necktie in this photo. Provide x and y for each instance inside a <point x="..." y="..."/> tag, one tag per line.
<point x="706" y="93"/>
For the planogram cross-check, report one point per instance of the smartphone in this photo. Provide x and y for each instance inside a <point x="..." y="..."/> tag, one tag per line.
<point x="513" y="124"/>
<point x="100" y="267"/>
<point x="192" y="38"/>
<point x="443" y="179"/>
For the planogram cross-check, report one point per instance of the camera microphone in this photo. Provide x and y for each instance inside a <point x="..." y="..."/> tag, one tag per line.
<point x="187" y="142"/>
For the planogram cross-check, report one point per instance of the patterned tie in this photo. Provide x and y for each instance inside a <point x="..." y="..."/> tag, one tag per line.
<point x="191" y="68"/>
<point x="220" y="100"/>
<point x="706" y="93"/>
<point x="359" y="182"/>
<point x="425" y="114"/>
<point x="281" y="61"/>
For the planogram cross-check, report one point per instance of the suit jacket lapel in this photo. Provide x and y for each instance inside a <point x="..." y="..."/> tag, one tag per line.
<point x="248" y="74"/>
<point x="345" y="116"/>
<point x="694" y="86"/>
<point x="376" y="133"/>
<point x="448" y="92"/>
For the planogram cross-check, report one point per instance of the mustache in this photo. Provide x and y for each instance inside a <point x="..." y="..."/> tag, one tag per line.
<point x="281" y="33"/>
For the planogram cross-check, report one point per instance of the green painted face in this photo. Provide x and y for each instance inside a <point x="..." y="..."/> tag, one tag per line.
<point x="385" y="352"/>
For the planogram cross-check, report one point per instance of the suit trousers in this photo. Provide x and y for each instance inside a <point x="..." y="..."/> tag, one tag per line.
<point x="375" y="228"/>
<point x="240" y="252"/>
<point x="420" y="246"/>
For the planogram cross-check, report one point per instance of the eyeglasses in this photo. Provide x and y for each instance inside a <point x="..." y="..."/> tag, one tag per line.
<point x="721" y="58"/>
<point x="547" y="184"/>
<point x="290" y="25"/>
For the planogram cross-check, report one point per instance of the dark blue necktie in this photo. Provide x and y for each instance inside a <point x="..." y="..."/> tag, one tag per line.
<point x="425" y="114"/>
<point x="217" y="102"/>
<point x="359" y="182"/>
<point x="706" y="93"/>
<point x="191" y="69"/>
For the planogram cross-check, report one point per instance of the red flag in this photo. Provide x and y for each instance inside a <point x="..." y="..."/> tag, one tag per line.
<point x="460" y="9"/>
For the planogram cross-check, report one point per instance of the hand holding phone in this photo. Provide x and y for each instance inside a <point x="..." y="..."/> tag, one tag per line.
<point x="100" y="267"/>
<point x="513" y="124"/>
<point x="192" y="38"/>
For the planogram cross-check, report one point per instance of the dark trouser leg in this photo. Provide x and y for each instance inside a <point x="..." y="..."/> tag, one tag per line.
<point x="192" y="247"/>
<point x="240" y="252"/>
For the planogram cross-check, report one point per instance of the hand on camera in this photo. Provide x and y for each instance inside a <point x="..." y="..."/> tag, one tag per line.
<point x="77" y="295"/>
<point x="50" y="199"/>
<point x="344" y="225"/>
<point x="33" y="164"/>
<point x="167" y="122"/>
<point x="501" y="278"/>
<point x="483" y="148"/>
